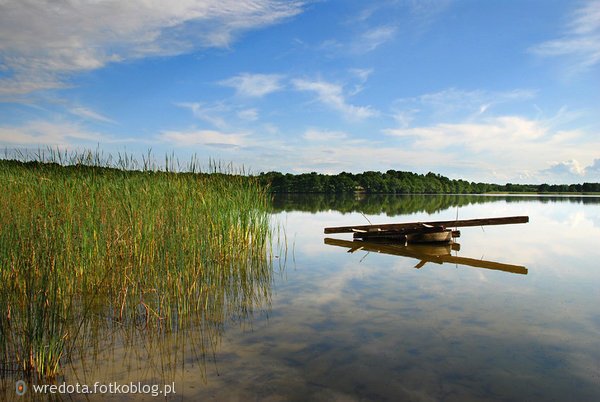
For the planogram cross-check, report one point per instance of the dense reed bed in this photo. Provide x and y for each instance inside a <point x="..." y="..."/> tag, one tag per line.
<point x="91" y="243"/>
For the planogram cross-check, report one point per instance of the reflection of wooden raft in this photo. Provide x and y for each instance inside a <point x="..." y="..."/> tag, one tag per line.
<point x="421" y="232"/>
<point x="438" y="254"/>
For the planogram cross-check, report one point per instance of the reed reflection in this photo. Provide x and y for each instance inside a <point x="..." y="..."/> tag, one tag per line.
<point x="145" y="349"/>
<point x="132" y="343"/>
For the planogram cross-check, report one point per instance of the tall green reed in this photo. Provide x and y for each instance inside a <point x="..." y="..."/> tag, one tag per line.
<point x="96" y="240"/>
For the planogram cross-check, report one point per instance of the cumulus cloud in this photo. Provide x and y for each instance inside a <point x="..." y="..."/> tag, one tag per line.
<point x="254" y="85"/>
<point x="333" y="96"/>
<point x="595" y="166"/>
<point x="507" y="146"/>
<point x="43" y="42"/>
<point x="580" y="41"/>
<point x="592" y="172"/>
<point x="567" y="168"/>
<point x="573" y="171"/>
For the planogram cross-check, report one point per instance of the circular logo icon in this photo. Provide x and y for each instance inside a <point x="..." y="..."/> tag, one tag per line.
<point x="20" y="387"/>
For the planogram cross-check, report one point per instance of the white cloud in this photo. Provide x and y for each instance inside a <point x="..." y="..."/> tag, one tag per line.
<point x="572" y="171"/>
<point x="405" y="117"/>
<point x="453" y="102"/>
<point x="43" y="42"/>
<point x="254" y="85"/>
<point x="362" y="73"/>
<point x="593" y="171"/>
<point x="324" y="135"/>
<point x="90" y="114"/>
<point x="595" y="166"/>
<point x="211" y="114"/>
<point x="581" y="40"/>
<point x="332" y="95"/>
<point x="509" y="146"/>
<point x="353" y="156"/>
<point x="248" y="114"/>
<point x="42" y="133"/>
<point x="453" y="95"/>
<point x="204" y="137"/>
<point x="373" y="38"/>
<point x="366" y="41"/>
<point x="570" y="167"/>
<point x="496" y="133"/>
<point x="220" y="115"/>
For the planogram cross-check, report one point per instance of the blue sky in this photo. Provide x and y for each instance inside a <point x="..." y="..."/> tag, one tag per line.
<point x="497" y="91"/>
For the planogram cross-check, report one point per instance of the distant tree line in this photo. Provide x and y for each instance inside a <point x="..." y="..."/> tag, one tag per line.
<point x="390" y="182"/>
<point x="393" y="204"/>
<point x="398" y="182"/>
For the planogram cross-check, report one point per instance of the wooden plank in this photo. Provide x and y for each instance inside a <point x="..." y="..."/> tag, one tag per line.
<point x="416" y="225"/>
<point x="426" y="256"/>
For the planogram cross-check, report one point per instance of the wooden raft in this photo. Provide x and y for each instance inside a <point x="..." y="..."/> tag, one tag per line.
<point x="421" y="232"/>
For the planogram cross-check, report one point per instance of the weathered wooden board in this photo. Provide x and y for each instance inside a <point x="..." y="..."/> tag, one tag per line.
<point x="422" y="225"/>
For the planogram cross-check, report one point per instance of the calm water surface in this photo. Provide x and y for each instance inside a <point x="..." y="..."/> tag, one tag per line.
<point x="363" y="325"/>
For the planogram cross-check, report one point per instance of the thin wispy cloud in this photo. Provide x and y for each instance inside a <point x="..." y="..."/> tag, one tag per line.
<point x="248" y="114"/>
<point x="324" y="135"/>
<point x="41" y="44"/>
<point x="203" y="137"/>
<point x="212" y="114"/>
<point x="373" y="38"/>
<point x="254" y="85"/>
<point x="333" y="96"/>
<point x="496" y="133"/>
<point x="580" y="41"/>
<point x="362" y="74"/>
<point x="427" y="12"/>
<point x="362" y="43"/>
<point x="458" y="103"/>
<point x="43" y="133"/>
<point x="89" y="114"/>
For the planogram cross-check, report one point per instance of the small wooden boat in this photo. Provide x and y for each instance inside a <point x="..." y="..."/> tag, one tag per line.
<point x="441" y="236"/>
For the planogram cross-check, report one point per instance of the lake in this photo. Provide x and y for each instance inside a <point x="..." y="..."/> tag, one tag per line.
<point x="334" y="325"/>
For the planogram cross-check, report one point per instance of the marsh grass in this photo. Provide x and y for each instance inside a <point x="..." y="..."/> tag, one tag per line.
<point x="96" y="244"/>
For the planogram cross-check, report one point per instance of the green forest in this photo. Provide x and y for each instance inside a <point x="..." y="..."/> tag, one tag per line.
<point x="370" y="182"/>
<point x="398" y="182"/>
